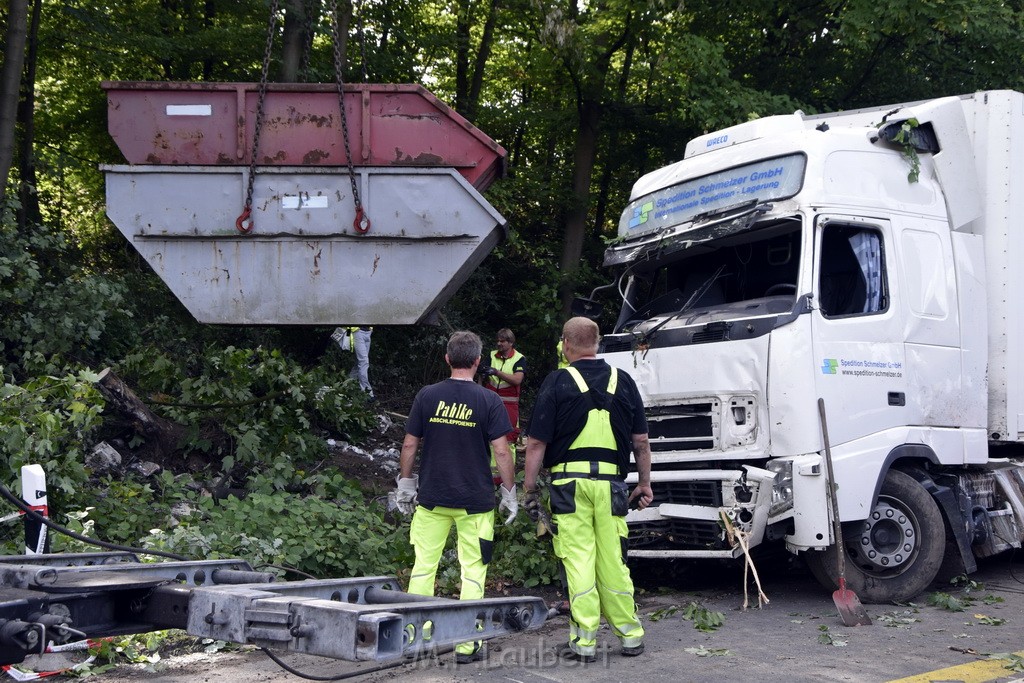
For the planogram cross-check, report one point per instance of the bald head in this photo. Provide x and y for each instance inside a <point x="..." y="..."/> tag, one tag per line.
<point x="580" y="337"/>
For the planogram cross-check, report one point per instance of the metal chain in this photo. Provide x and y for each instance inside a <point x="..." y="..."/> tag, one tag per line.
<point x="244" y="222"/>
<point x="361" y="222"/>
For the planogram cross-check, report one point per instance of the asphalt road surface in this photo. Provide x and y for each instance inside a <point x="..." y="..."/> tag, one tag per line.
<point x="798" y="636"/>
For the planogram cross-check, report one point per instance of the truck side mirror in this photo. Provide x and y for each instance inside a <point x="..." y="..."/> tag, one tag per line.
<point x="588" y="308"/>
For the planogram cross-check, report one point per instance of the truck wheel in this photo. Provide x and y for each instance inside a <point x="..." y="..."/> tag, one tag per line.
<point x="895" y="553"/>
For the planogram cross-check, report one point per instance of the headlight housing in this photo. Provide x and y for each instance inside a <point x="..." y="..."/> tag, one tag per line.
<point x="782" y="487"/>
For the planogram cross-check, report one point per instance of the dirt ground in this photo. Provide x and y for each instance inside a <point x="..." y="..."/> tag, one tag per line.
<point x="374" y="460"/>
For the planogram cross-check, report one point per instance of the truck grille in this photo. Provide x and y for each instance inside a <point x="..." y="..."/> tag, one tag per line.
<point x="684" y="427"/>
<point x="686" y="534"/>
<point x="676" y="534"/>
<point x="622" y="344"/>
<point x="705" y="493"/>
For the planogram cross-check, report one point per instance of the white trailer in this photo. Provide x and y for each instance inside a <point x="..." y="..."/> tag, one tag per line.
<point x="868" y="258"/>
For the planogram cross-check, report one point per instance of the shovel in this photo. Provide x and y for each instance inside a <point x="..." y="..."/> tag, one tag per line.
<point x="847" y="602"/>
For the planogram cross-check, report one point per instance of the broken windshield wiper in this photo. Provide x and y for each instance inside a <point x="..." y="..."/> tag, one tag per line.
<point x="704" y="227"/>
<point x="741" y="209"/>
<point x="646" y="337"/>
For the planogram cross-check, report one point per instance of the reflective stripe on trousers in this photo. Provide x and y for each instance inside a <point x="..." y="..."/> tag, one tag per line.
<point x="428" y="534"/>
<point x="590" y="541"/>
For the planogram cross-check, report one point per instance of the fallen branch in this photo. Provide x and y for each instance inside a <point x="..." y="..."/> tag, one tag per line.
<point x="162" y="435"/>
<point x="738" y="537"/>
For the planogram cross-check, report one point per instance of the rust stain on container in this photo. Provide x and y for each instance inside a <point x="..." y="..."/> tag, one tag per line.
<point x="316" y="258"/>
<point x="421" y="159"/>
<point x="428" y="159"/>
<point x="314" y="156"/>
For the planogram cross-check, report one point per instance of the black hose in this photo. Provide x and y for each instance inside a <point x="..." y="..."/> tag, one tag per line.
<point x="33" y="515"/>
<point x="340" y="677"/>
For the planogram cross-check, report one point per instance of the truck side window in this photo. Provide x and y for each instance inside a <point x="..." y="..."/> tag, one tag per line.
<point x="852" y="272"/>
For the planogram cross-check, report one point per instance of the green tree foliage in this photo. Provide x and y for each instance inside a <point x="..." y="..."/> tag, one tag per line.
<point x="53" y="312"/>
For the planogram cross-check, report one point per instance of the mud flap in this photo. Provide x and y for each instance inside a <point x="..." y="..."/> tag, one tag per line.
<point x="953" y="505"/>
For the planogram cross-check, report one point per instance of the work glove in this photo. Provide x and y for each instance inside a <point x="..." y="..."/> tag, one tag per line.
<point x="536" y="511"/>
<point x="487" y="371"/>
<point x="509" y="502"/>
<point x="405" y="494"/>
<point x="532" y="504"/>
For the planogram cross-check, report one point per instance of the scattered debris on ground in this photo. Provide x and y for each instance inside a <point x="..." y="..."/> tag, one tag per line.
<point x="374" y="461"/>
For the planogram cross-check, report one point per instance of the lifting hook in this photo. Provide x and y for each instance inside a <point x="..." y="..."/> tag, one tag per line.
<point x="240" y="222"/>
<point x="361" y="222"/>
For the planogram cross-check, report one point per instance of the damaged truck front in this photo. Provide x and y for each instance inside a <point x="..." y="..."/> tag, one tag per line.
<point x="861" y="258"/>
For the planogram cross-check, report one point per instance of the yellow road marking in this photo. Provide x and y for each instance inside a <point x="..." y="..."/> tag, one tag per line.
<point x="981" y="671"/>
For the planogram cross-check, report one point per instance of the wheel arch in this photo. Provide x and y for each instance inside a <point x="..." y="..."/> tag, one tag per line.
<point x="954" y="505"/>
<point x="905" y="457"/>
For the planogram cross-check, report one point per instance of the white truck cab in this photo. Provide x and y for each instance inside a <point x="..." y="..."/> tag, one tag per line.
<point x="866" y="258"/>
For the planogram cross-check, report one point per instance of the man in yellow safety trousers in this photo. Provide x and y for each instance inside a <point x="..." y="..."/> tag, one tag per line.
<point x="455" y="421"/>
<point x="586" y="420"/>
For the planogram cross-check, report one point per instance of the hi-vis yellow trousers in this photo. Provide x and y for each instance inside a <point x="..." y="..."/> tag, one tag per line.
<point x="590" y="538"/>
<point x="428" y="534"/>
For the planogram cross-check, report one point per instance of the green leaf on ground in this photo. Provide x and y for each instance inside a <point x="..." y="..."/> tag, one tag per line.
<point x="947" y="602"/>
<point x="703" y="619"/>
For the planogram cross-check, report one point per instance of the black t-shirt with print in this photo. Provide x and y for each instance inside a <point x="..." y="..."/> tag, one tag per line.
<point x="456" y="421"/>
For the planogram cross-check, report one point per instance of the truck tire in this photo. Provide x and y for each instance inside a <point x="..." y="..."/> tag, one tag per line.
<point x="895" y="553"/>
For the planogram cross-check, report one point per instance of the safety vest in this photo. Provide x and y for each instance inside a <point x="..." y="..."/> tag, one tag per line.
<point x="563" y="362"/>
<point x="597" y="436"/>
<point x="509" y="393"/>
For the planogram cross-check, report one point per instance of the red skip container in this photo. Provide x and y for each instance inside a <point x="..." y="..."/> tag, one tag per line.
<point x="212" y="124"/>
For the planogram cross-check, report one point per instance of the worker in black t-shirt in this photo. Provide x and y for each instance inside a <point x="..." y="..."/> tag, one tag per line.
<point x="586" y="420"/>
<point x="457" y="422"/>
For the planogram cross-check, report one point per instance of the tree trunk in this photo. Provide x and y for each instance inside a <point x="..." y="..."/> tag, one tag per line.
<point x="482" y="55"/>
<point x="209" y="13"/>
<point x="576" y="217"/>
<point x="163" y="436"/>
<point x="10" y="80"/>
<point x="294" y="40"/>
<point x="463" y="20"/>
<point x="613" y="143"/>
<point x="344" y="22"/>
<point x="29" y="211"/>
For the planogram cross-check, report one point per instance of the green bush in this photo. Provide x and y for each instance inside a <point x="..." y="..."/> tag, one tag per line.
<point x="53" y="313"/>
<point x="520" y="558"/>
<point x="335" y="537"/>
<point x="125" y="510"/>
<point x="50" y="421"/>
<point x="272" y="411"/>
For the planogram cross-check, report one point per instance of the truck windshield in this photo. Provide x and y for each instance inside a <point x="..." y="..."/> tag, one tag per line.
<point x="750" y="273"/>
